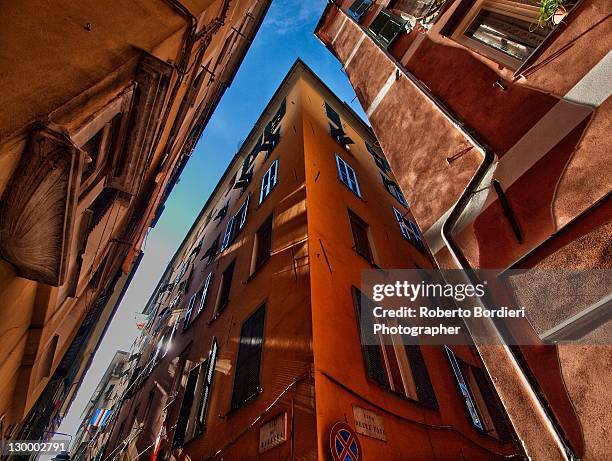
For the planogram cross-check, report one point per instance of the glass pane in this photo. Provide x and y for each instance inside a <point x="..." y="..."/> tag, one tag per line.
<point x="511" y="36"/>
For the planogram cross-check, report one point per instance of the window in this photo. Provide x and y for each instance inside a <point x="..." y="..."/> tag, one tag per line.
<point x="347" y="175"/>
<point x="245" y="178"/>
<point x="360" y="231"/>
<point x="202" y="294"/>
<point x="482" y="404"/>
<point x="504" y="30"/>
<point x="397" y="367"/>
<point x="235" y="224"/>
<point x="186" y="404"/>
<point x="415" y="8"/>
<point x="394" y="190"/>
<point x="271" y="135"/>
<point x="212" y="250"/>
<point x="100" y="206"/>
<point x="100" y="147"/>
<point x="358" y="8"/>
<point x="386" y="27"/>
<point x="263" y="245"/>
<point x="189" y="312"/>
<point x="268" y="181"/>
<point x="381" y="162"/>
<point x="194" y="408"/>
<point x="246" y="381"/>
<point x="205" y="387"/>
<point x="224" y="288"/>
<point x="335" y="127"/>
<point x="409" y="229"/>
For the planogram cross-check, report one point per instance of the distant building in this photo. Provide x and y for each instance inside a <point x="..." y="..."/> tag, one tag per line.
<point x="89" y="441"/>
<point x="102" y="106"/>
<point x="252" y="349"/>
<point x="494" y="121"/>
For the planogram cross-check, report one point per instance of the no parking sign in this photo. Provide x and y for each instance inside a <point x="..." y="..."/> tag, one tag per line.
<point x="344" y="444"/>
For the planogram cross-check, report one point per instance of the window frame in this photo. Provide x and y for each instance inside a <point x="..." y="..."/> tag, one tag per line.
<point x="235" y="224"/>
<point x="224" y="286"/>
<point x="340" y="161"/>
<point x="257" y="264"/>
<point x="237" y="404"/>
<point x="391" y="18"/>
<point x="357" y="10"/>
<point x="354" y="218"/>
<point x="458" y="35"/>
<point x="424" y="392"/>
<point x="266" y="184"/>
<point x="409" y="229"/>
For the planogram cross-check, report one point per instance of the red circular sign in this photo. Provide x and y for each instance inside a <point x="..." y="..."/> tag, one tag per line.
<point x="344" y="443"/>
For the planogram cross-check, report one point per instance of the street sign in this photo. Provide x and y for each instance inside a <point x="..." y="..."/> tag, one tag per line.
<point x="344" y="444"/>
<point x="273" y="433"/>
<point x="369" y="423"/>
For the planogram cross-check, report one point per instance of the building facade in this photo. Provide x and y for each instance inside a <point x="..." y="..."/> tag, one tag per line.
<point x="252" y="349"/>
<point x="90" y="439"/>
<point x="492" y="117"/>
<point x="101" y="110"/>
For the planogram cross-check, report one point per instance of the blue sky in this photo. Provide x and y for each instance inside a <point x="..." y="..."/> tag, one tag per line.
<point x="285" y="35"/>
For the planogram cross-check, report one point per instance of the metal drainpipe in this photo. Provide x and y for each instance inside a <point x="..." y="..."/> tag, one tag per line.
<point x="516" y="370"/>
<point x="517" y="375"/>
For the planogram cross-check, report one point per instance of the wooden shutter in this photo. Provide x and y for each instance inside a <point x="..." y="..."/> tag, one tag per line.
<point x="248" y="363"/>
<point x="209" y="371"/>
<point x="264" y="243"/>
<point x="496" y="410"/>
<point x="181" y="424"/>
<point x="226" y="284"/>
<point x="420" y="375"/>
<point x="360" y="236"/>
<point x="333" y="115"/>
<point x="372" y="351"/>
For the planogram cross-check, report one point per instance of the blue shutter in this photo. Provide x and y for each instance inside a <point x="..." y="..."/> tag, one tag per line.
<point x="204" y="292"/>
<point x="353" y="181"/>
<point x="342" y="170"/>
<point x="188" y="312"/>
<point x="464" y="389"/>
<point x="273" y="173"/>
<point x="228" y="233"/>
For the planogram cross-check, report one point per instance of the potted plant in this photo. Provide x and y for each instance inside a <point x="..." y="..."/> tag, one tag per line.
<point x="552" y="12"/>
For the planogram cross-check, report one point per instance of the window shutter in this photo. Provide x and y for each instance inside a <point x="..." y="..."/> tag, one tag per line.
<point x="265" y="181"/>
<point x="333" y="115"/>
<point x="273" y="173"/>
<point x="360" y="235"/>
<point x="496" y="410"/>
<point x="188" y="312"/>
<point x="209" y="371"/>
<point x="416" y="233"/>
<point x="372" y="353"/>
<point x="342" y="170"/>
<point x="464" y="389"/>
<point x="226" y="284"/>
<point x="353" y="180"/>
<point x="243" y="212"/>
<point x="248" y="363"/>
<point x="420" y="374"/>
<point x="359" y="7"/>
<point x="181" y="424"/>
<point x="204" y="293"/>
<point x="264" y="243"/>
<point x="228" y="233"/>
